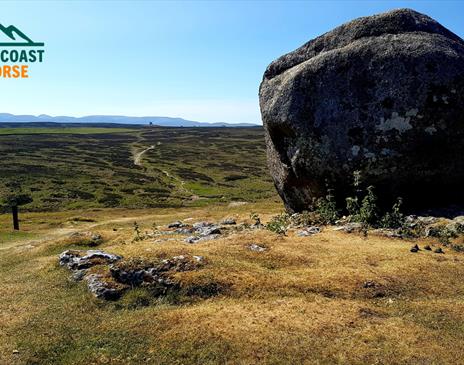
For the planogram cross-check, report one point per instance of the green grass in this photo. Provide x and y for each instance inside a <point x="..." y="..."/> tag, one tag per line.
<point x="14" y="236"/>
<point x="187" y="167"/>
<point x="64" y="130"/>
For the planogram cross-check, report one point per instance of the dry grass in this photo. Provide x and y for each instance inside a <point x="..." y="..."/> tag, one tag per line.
<point x="303" y="301"/>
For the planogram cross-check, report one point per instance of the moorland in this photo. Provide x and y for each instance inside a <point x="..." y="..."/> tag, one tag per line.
<point x="261" y="295"/>
<point x="97" y="167"/>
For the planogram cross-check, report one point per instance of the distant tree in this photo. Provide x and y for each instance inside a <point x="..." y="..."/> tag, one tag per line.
<point x="13" y="197"/>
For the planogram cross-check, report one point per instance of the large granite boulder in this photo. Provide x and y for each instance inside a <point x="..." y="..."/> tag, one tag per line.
<point x="383" y="95"/>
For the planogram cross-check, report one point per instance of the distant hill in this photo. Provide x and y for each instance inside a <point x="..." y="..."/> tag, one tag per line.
<point x="119" y="119"/>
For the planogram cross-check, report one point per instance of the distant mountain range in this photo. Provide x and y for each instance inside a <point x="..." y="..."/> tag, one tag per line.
<point x="119" y="119"/>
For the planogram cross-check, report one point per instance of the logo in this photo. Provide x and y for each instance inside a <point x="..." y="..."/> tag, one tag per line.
<point x="17" y="51"/>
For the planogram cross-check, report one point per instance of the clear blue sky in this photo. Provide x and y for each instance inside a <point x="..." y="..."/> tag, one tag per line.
<point x="197" y="60"/>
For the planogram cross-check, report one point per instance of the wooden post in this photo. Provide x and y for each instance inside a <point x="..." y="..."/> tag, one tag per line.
<point x="14" y="210"/>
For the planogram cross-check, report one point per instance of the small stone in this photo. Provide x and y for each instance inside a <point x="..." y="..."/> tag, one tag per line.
<point x="199" y="225"/>
<point x="228" y="221"/>
<point x="198" y="258"/>
<point x="428" y="248"/>
<point x="192" y="239"/>
<point x="387" y="232"/>
<point x="184" y="230"/>
<point x="439" y="250"/>
<point x="82" y="259"/>
<point x="309" y="231"/>
<point x="369" y="284"/>
<point x="15" y="352"/>
<point x="350" y="227"/>
<point x="103" y="288"/>
<point x="414" y="248"/>
<point x="256" y="248"/>
<point x="207" y="231"/>
<point x="209" y="237"/>
<point x="427" y="220"/>
<point x="86" y="238"/>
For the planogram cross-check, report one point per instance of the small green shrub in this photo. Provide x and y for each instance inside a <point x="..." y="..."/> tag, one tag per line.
<point x="279" y="224"/>
<point x="304" y="219"/>
<point x="395" y="218"/>
<point x="326" y="208"/>
<point x="352" y="206"/>
<point x="368" y="212"/>
<point x="445" y="235"/>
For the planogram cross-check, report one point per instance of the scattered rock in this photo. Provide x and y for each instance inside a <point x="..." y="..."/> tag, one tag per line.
<point x="199" y="259"/>
<point x="413" y="220"/>
<point x="156" y="275"/>
<point x="195" y="239"/>
<point x="103" y="288"/>
<point x="184" y="230"/>
<point x="111" y="282"/>
<point x="428" y="248"/>
<point x="369" y="284"/>
<point x="78" y="275"/>
<point x="176" y="224"/>
<point x="414" y="248"/>
<point x="82" y="259"/>
<point x="459" y="219"/>
<point x="433" y="231"/>
<point x="86" y="238"/>
<point x="370" y="95"/>
<point x="205" y="231"/>
<point x="257" y="225"/>
<point x="350" y="227"/>
<point x="456" y="226"/>
<point x="201" y="225"/>
<point x="309" y="231"/>
<point x="386" y="232"/>
<point x="439" y="250"/>
<point x="228" y="221"/>
<point x="15" y="352"/>
<point x="342" y="221"/>
<point x="256" y="248"/>
<point x="192" y="239"/>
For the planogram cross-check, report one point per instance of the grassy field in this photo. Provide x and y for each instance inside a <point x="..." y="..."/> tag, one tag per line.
<point x="332" y="298"/>
<point x="95" y="167"/>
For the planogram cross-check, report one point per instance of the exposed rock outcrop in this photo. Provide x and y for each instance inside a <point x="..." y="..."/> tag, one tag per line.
<point x="78" y="260"/>
<point x="108" y="276"/>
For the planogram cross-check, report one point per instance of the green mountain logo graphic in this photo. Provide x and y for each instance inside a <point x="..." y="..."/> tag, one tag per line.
<point x="16" y="38"/>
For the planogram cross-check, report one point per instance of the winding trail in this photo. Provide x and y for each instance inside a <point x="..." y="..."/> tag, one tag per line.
<point x="138" y="156"/>
<point x="180" y="184"/>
